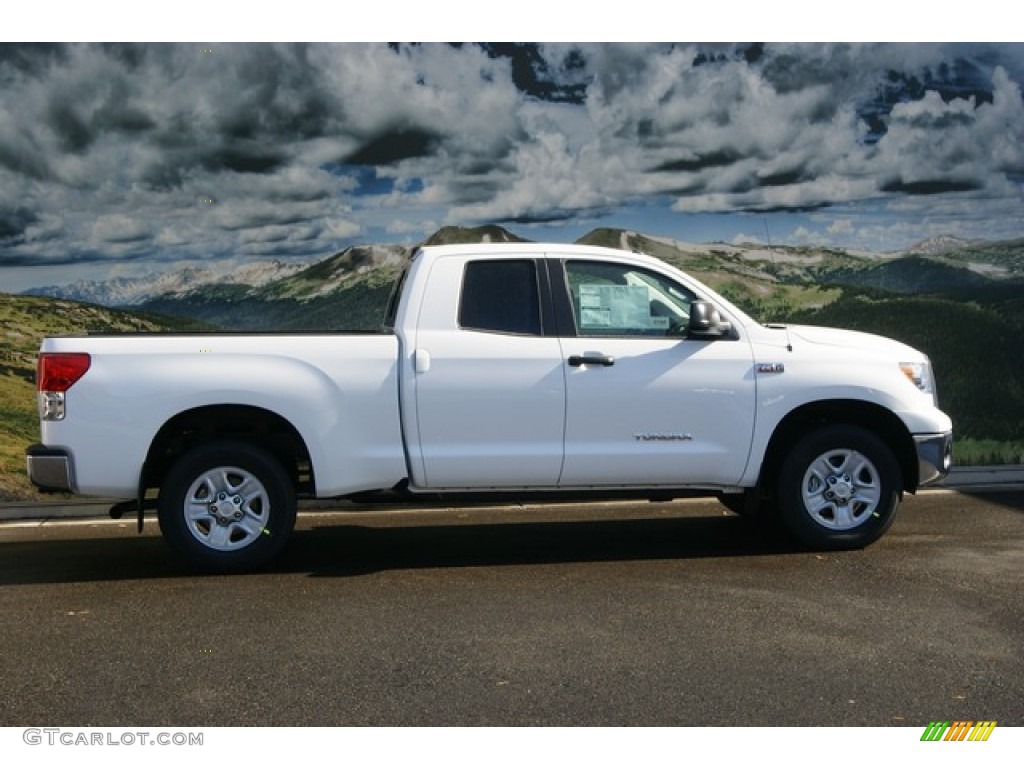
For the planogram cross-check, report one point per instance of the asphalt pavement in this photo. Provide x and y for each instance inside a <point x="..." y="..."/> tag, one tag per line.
<point x="599" y="614"/>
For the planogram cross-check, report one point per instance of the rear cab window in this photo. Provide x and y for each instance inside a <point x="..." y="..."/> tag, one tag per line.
<point x="501" y="296"/>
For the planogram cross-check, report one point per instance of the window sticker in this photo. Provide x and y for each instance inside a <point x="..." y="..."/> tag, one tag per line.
<point x="617" y="306"/>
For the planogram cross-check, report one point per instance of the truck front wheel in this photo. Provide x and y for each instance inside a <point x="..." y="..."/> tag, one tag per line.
<point x="227" y="506"/>
<point x="839" y="488"/>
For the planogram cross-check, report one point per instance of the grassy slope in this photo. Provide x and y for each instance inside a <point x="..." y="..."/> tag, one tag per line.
<point x="356" y="304"/>
<point x="974" y="349"/>
<point x="24" y="321"/>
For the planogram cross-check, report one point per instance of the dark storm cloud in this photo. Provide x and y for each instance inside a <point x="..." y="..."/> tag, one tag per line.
<point x="393" y="146"/>
<point x="560" y="79"/>
<point x="14" y="222"/>
<point x="548" y="217"/>
<point x="781" y="179"/>
<point x="244" y="158"/>
<point x="73" y="133"/>
<point x="29" y="59"/>
<point x="256" y="216"/>
<point x="929" y="187"/>
<point x="470" y="189"/>
<point x="23" y="157"/>
<point x="124" y="120"/>
<point x="716" y="159"/>
<point x="234" y="111"/>
<point x="297" y="194"/>
<point x="284" y="94"/>
<point x="767" y="209"/>
<point x="80" y="109"/>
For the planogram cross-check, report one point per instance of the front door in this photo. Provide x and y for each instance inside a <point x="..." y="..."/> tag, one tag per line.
<point x="646" y="406"/>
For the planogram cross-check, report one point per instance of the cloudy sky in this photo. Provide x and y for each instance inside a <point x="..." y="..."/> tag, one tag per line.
<point x="126" y="158"/>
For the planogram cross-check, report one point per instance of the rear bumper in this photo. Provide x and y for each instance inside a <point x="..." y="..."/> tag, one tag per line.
<point x="50" y="469"/>
<point x="934" y="457"/>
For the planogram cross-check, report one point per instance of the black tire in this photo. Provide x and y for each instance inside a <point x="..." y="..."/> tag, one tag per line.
<point x="227" y="506"/>
<point x="839" y="488"/>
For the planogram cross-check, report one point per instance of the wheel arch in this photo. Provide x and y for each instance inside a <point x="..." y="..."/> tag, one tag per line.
<point x="257" y="426"/>
<point x="802" y="420"/>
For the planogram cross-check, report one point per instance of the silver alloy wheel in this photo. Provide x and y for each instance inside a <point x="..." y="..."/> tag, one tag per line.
<point x="841" y="489"/>
<point x="227" y="508"/>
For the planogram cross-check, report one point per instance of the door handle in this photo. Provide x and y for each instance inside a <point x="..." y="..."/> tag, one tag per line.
<point x="421" y="361"/>
<point x="592" y="358"/>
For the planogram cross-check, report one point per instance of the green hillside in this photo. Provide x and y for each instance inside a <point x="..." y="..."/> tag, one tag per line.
<point x="345" y="292"/>
<point x="913" y="274"/>
<point x="357" y="306"/>
<point x="974" y="348"/>
<point x="485" y="234"/>
<point x="24" y="321"/>
<point x="1005" y="257"/>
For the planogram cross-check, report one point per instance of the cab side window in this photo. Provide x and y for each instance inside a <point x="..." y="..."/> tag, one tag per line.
<point x="500" y="296"/>
<point x="618" y="300"/>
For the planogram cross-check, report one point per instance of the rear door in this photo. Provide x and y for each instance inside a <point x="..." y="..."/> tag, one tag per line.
<point x="488" y="377"/>
<point x="645" y="405"/>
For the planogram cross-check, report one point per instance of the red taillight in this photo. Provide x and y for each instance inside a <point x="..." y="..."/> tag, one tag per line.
<point x="58" y="371"/>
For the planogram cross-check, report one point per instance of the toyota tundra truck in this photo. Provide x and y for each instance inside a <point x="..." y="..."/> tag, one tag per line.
<point x="504" y="371"/>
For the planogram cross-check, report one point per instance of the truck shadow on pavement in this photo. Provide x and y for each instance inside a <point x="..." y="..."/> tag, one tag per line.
<point x="346" y="550"/>
<point x="351" y="550"/>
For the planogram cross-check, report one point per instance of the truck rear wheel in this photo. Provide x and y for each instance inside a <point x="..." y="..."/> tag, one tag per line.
<point x="227" y="506"/>
<point x="839" y="488"/>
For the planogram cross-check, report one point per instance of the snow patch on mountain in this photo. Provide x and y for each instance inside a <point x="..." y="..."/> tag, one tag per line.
<point x="934" y="246"/>
<point x="131" y="291"/>
<point x="358" y="261"/>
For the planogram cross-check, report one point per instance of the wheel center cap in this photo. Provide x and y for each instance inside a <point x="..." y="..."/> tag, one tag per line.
<point x="840" y="488"/>
<point x="227" y="508"/>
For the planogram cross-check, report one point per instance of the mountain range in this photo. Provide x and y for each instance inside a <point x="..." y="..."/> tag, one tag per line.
<point x="132" y="291"/>
<point x="750" y="272"/>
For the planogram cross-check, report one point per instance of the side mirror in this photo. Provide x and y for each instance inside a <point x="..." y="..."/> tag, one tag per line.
<point x="706" y="323"/>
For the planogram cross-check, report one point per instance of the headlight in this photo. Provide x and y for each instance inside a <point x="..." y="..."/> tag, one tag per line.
<point x="920" y="375"/>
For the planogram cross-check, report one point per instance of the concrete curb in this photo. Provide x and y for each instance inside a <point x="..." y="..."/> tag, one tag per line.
<point x="993" y="478"/>
<point x="966" y="479"/>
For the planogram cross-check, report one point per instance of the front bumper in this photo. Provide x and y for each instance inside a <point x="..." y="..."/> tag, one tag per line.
<point x="50" y="469"/>
<point x="934" y="457"/>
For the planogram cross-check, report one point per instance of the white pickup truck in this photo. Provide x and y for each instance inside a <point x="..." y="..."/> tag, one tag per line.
<point x="514" y="371"/>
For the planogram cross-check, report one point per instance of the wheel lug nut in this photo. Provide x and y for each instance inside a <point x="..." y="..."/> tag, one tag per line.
<point x="237" y="499"/>
<point x="238" y="515"/>
<point x="213" y="509"/>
